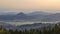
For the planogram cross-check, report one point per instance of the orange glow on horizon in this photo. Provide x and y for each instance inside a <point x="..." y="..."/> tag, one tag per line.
<point x="30" y="4"/>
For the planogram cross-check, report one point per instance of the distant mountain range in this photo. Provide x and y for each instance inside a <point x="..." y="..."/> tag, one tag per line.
<point x="53" y="17"/>
<point x="41" y="16"/>
<point x="39" y="13"/>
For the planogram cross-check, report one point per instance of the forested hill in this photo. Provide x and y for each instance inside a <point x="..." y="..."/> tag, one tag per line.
<point x="55" y="30"/>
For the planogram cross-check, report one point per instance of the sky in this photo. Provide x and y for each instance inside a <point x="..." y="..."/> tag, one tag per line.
<point x="49" y="5"/>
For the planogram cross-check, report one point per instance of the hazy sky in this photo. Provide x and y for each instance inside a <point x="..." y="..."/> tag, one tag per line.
<point x="30" y="4"/>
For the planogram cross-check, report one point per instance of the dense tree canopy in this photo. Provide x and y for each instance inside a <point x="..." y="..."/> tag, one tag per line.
<point x="55" y="30"/>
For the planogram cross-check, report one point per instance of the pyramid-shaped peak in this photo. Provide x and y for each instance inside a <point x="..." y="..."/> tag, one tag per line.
<point x="21" y="13"/>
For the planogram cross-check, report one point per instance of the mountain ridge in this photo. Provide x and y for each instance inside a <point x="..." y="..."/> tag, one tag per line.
<point x="26" y="17"/>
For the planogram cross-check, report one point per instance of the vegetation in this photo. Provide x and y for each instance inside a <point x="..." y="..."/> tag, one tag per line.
<point x="55" y="30"/>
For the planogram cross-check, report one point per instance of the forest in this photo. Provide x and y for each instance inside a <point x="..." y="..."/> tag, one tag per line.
<point x="54" y="30"/>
